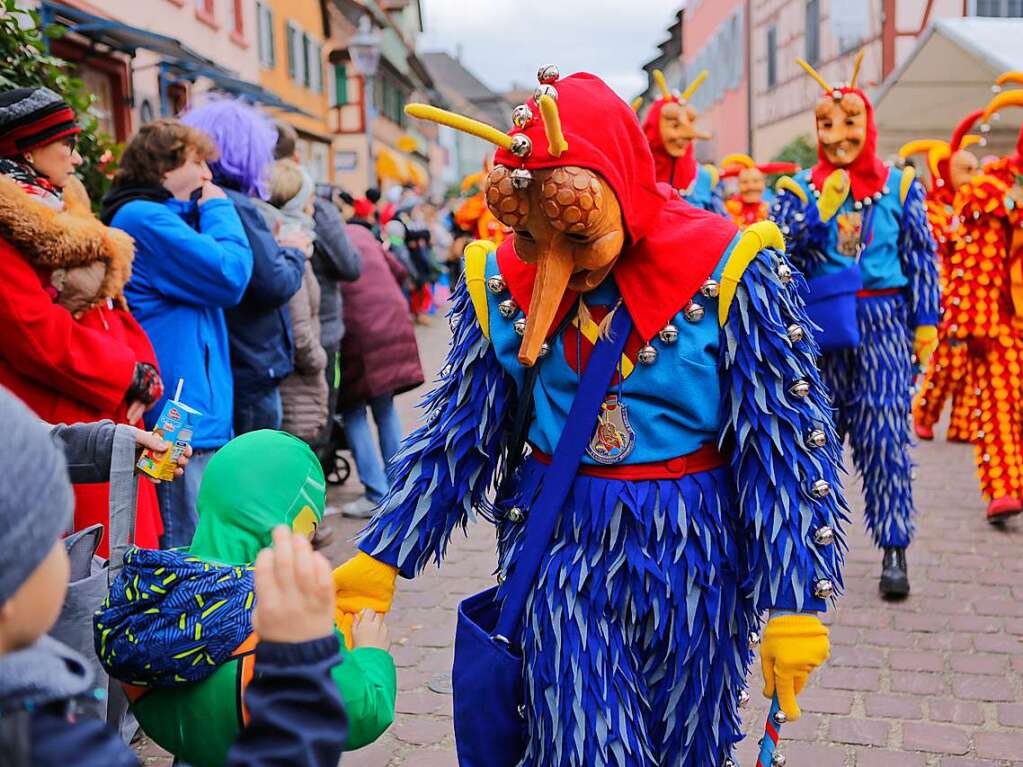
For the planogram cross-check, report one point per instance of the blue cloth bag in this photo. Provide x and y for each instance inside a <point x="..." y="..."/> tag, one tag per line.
<point x="488" y="676"/>
<point x="831" y="306"/>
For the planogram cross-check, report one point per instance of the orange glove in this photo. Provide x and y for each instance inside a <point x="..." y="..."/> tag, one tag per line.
<point x="792" y="647"/>
<point x="359" y="583"/>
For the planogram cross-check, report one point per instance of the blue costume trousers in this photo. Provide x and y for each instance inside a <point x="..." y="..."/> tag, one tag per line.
<point x="636" y="641"/>
<point x="871" y="386"/>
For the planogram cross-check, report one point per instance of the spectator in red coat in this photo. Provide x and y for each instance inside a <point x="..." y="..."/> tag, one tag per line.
<point x="69" y="349"/>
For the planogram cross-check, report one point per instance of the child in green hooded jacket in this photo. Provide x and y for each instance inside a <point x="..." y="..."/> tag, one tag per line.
<point x="177" y="625"/>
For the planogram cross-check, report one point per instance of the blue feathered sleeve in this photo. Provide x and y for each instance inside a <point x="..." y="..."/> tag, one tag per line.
<point x="717" y="203"/>
<point x="779" y="430"/>
<point x="806" y="236"/>
<point x="446" y="466"/>
<point x="917" y="251"/>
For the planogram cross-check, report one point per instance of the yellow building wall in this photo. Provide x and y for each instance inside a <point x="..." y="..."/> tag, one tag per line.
<point x="306" y="14"/>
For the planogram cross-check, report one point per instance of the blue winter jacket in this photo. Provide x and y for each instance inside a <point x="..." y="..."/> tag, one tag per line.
<point x="191" y="263"/>
<point x="262" y="347"/>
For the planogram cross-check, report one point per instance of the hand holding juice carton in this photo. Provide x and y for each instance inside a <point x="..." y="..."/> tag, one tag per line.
<point x="176" y="425"/>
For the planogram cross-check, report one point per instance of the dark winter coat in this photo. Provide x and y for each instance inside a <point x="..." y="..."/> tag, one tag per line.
<point x="379" y="354"/>
<point x="259" y="328"/>
<point x="335" y="260"/>
<point x="295" y="709"/>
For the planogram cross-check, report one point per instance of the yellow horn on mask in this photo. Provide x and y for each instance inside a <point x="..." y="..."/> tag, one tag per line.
<point x="694" y="86"/>
<point x="460" y="123"/>
<point x="1016" y="78"/>
<point x="738" y="159"/>
<point x="999" y="102"/>
<point x="856" y="68"/>
<point x="815" y="75"/>
<point x="637" y="103"/>
<point x="662" y="84"/>
<point x="556" y="143"/>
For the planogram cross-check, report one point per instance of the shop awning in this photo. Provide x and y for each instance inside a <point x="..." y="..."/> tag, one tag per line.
<point x="390" y="167"/>
<point x="224" y="81"/>
<point x="948" y="75"/>
<point x="119" y="36"/>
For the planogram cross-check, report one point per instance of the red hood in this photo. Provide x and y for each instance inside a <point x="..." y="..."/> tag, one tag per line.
<point x="867" y="173"/>
<point x="672" y="247"/>
<point x="679" y="172"/>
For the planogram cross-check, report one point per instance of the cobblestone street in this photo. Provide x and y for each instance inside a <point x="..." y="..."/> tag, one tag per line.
<point x="936" y="681"/>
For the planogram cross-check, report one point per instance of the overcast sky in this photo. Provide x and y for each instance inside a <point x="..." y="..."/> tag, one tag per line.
<point x="507" y="40"/>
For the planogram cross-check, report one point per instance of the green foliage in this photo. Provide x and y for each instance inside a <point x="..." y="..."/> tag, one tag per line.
<point x="25" y="61"/>
<point x="801" y="150"/>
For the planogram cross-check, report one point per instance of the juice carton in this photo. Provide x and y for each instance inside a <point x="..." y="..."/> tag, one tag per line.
<point x="176" y="425"/>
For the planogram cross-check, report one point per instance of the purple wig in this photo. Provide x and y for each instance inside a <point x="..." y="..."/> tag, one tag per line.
<point x="245" y="138"/>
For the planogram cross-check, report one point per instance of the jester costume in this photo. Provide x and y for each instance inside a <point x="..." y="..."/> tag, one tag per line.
<point x="709" y="490"/>
<point x="752" y="202"/>
<point x="986" y="285"/>
<point x="950" y="165"/>
<point x="670" y="128"/>
<point x="176" y="627"/>
<point x="867" y="213"/>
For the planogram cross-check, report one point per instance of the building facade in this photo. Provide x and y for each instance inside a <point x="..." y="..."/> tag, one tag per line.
<point x="828" y="34"/>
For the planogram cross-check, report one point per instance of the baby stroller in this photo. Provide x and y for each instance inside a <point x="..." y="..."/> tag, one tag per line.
<point x="336" y="466"/>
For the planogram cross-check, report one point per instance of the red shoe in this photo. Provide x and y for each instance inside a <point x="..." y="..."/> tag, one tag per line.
<point x="1000" y="509"/>
<point x="924" y="432"/>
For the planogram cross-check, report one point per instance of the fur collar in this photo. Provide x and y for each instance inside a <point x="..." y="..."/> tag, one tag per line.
<point x="65" y="239"/>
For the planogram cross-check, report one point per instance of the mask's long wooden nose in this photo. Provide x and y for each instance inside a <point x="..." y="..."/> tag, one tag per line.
<point x="554" y="269"/>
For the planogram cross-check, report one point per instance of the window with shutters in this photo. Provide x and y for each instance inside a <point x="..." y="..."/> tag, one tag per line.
<point x="772" y="57"/>
<point x="339" y="85"/>
<point x="265" y="33"/>
<point x="1002" y="9"/>
<point x="813" y="31"/>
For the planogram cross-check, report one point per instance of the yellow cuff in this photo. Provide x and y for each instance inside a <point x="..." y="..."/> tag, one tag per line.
<point x="363" y="582"/>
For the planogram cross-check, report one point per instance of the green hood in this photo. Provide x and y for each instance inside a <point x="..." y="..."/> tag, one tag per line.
<point x="254" y="483"/>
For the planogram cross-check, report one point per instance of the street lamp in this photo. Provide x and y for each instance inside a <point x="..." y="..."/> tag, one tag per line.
<point x="364" y="48"/>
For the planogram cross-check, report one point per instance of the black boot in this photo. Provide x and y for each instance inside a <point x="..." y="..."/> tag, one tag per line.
<point x="894" y="576"/>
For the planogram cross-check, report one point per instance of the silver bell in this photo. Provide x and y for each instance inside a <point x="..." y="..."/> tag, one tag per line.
<point x="693" y="312"/>
<point x="545" y="349"/>
<point x="821" y="488"/>
<point x="515" y="514"/>
<point x="501" y="577"/>
<point x="729" y="762"/>
<point x="668" y="334"/>
<point x="496" y="284"/>
<point x="647" y="355"/>
<point x="522" y="115"/>
<point x="800" y="388"/>
<point x="778" y="759"/>
<point x="795" y="333"/>
<point x="507" y="308"/>
<point x="546" y="89"/>
<point x="817" y="438"/>
<point x="520" y="326"/>
<point x="743" y="699"/>
<point x="710" y="288"/>
<point x="823" y="589"/>
<point x="754" y="639"/>
<point x="521" y="178"/>
<point x="780" y="717"/>
<point x="824" y="536"/>
<point x="784" y="273"/>
<point x="548" y="74"/>
<point x="521" y="146"/>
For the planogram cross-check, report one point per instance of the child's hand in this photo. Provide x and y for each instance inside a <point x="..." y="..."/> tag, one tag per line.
<point x="294" y="592"/>
<point x="156" y="443"/>
<point x="369" y="630"/>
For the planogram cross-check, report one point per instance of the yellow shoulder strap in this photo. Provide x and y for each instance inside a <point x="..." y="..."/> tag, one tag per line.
<point x="476" y="253"/>
<point x="756" y="237"/>
<point x="715" y="175"/>
<point x="789" y="184"/>
<point x="908" y="174"/>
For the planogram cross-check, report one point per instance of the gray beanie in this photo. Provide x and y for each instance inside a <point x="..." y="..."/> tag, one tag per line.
<point x="36" y="501"/>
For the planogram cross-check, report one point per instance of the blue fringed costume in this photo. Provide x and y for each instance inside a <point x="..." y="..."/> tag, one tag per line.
<point x="709" y="493"/>
<point x="882" y="224"/>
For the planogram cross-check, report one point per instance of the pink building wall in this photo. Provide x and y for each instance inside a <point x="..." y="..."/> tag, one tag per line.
<point x="726" y="117"/>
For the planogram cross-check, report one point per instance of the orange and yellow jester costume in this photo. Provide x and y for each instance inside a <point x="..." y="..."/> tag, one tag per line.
<point x="950" y="165"/>
<point x="986" y="310"/>
<point x="752" y="202"/>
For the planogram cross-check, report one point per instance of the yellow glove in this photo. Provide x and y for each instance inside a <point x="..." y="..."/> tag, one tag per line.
<point x="359" y="583"/>
<point x="836" y="189"/>
<point x="924" y="343"/>
<point x="792" y="647"/>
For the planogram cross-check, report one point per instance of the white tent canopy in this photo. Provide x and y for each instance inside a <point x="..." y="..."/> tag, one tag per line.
<point x="948" y="75"/>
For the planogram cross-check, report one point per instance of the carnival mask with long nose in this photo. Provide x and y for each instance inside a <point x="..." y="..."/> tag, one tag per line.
<point x="841" y="128"/>
<point x="567" y="218"/>
<point x="569" y="223"/>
